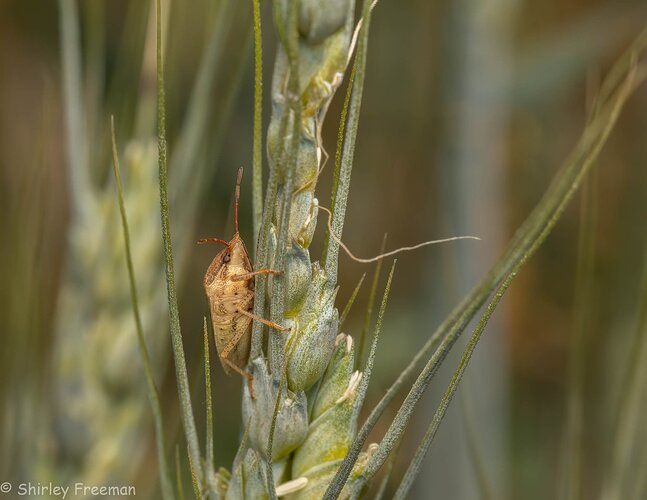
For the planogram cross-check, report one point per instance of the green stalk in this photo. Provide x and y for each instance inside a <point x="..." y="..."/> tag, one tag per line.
<point x="209" y="408"/>
<point x="184" y="393"/>
<point x="257" y="179"/>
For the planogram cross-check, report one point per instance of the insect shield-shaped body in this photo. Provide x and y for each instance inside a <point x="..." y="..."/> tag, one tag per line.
<point x="229" y="299"/>
<point x="229" y="286"/>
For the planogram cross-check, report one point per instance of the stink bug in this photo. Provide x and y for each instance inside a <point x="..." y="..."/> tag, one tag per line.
<point x="229" y="286"/>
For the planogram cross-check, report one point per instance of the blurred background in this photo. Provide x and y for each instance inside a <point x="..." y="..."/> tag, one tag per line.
<point x="469" y="109"/>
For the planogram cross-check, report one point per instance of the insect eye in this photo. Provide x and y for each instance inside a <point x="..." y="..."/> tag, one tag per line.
<point x="227" y="258"/>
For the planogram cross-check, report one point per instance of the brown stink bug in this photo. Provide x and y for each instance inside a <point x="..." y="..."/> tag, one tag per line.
<point x="229" y="286"/>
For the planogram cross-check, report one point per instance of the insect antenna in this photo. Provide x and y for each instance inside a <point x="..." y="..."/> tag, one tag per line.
<point x="240" y="177"/>
<point x="218" y="240"/>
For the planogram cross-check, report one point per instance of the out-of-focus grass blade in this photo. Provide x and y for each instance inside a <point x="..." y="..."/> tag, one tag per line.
<point x="630" y="416"/>
<point x="571" y="469"/>
<point x="640" y="483"/>
<point x="477" y="453"/>
<point x="77" y="144"/>
<point x="167" y="488"/>
<point x="185" y="162"/>
<point x="95" y="34"/>
<point x="178" y="475"/>
<point x="124" y="95"/>
<point x="184" y="393"/>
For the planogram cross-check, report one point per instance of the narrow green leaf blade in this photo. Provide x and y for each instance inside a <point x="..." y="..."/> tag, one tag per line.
<point x="370" y="362"/>
<point x="369" y="309"/>
<point x="208" y="404"/>
<point x="184" y="393"/>
<point x="351" y="301"/>
<point x="257" y="178"/>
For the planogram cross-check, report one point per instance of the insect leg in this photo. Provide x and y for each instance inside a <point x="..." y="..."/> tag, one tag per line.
<point x="247" y="375"/>
<point x="265" y="321"/>
<point x="225" y="352"/>
<point x="246" y="276"/>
